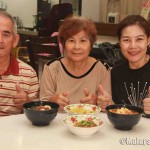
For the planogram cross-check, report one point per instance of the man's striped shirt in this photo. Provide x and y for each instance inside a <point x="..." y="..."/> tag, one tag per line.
<point x="18" y="72"/>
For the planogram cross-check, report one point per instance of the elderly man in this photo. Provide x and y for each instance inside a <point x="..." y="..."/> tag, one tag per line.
<point x="18" y="81"/>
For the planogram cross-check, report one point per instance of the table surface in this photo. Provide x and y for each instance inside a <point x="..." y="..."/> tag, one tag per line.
<point x="17" y="133"/>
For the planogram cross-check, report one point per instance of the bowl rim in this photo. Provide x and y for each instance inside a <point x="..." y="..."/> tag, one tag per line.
<point x="98" y="109"/>
<point x="69" y="125"/>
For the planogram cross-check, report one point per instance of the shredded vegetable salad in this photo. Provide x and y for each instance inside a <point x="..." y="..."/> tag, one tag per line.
<point x="83" y="121"/>
<point x="82" y="109"/>
<point x="85" y="124"/>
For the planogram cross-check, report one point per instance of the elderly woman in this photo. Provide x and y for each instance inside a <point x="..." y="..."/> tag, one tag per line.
<point x="75" y="78"/>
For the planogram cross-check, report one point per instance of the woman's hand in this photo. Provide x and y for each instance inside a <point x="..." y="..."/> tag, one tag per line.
<point x="104" y="99"/>
<point x="146" y="103"/>
<point x="89" y="98"/>
<point x="61" y="99"/>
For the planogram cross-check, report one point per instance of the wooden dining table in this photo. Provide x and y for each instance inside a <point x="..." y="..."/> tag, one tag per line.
<point x="17" y="133"/>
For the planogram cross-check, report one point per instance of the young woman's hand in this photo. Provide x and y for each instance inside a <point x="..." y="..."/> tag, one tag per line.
<point x="146" y="103"/>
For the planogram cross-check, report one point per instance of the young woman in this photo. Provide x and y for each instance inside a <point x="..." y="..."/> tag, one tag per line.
<point x="131" y="81"/>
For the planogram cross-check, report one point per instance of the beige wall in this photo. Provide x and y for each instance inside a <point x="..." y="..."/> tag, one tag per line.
<point x="126" y="7"/>
<point x="103" y="11"/>
<point x="94" y="9"/>
<point x="90" y="9"/>
<point x="24" y="9"/>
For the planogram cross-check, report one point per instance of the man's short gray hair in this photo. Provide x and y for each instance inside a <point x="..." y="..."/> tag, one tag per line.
<point x="9" y="16"/>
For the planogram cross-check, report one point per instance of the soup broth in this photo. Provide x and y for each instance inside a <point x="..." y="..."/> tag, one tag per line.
<point x="124" y="111"/>
<point x="42" y="107"/>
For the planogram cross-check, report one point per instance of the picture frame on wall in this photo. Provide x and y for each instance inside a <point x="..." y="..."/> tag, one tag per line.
<point x="145" y="12"/>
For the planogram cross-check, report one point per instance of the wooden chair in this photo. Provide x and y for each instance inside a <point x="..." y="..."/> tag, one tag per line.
<point x="44" y="39"/>
<point x="21" y="53"/>
<point x="41" y="52"/>
<point x="57" y="13"/>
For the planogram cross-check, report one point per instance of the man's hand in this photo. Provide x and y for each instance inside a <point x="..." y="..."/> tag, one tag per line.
<point x="21" y="97"/>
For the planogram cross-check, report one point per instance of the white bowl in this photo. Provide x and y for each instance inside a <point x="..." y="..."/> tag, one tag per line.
<point x="82" y="109"/>
<point x="72" y="120"/>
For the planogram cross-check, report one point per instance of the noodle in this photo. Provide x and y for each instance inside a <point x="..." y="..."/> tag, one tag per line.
<point x="124" y="111"/>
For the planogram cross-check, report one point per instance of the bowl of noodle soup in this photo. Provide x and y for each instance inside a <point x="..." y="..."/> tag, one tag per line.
<point x="40" y="113"/>
<point x="124" y="117"/>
